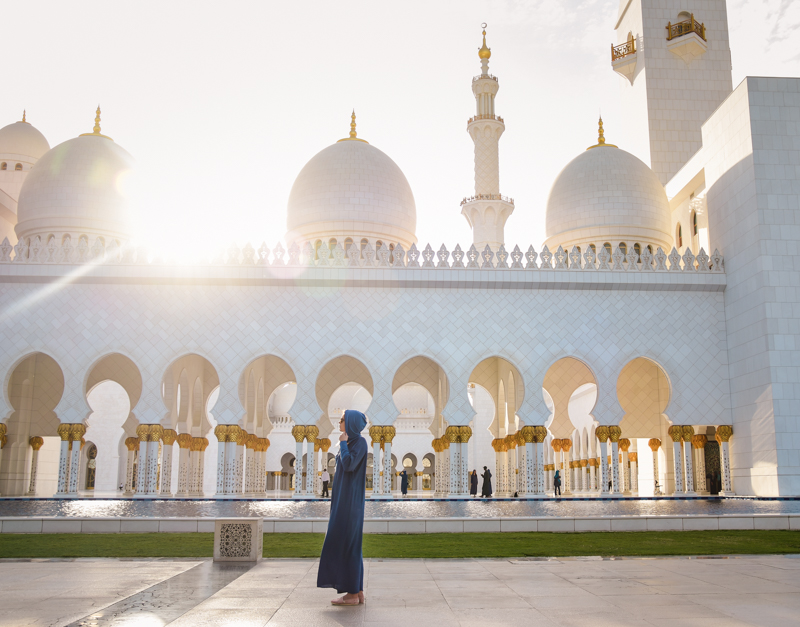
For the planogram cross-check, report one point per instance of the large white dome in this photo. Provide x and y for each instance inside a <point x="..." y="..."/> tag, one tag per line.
<point x="352" y="190"/>
<point x="77" y="189"/>
<point x="606" y="195"/>
<point x="22" y="140"/>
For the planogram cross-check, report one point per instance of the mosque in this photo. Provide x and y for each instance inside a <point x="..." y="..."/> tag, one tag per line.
<point x="650" y="346"/>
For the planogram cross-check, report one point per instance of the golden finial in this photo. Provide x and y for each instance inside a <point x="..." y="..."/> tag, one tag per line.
<point x="96" y="130"/>
<point x="23" y="116"/>
<point x="484" y="52"/>
<point x="601" y="139"/>
<point x="353" y="134"/>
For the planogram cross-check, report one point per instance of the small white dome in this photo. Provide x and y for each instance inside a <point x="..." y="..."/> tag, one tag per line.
<point x="76" y="189"/>
<point x="607" y="195"/>
<point x="352" y="189"/>
<point x="22" y="140"/>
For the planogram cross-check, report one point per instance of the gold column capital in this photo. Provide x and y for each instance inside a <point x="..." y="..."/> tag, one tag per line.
<point x="633" y="457"/>
<point x="688" y="433"/>
<point x="63" y="431"/>
<point x="452" y="434"/>
<point x="4" y="429"/>
<point x="602" y="433"/>
<point x="131" y="443"/>
<point x="566" y="445"/>
<point x="676" y="433"/>
<point x="614" y="433"/>
<point x="624" y="445"/>
<point x="724" y="433"/>
<point x="654" y="444"/>
<point x="584" y="463"/>
<point x="203" y="444"/>
<point x="465" y="433"/>
<point x="699" y="440"/>
<point x="376" y="433"/>
<point x="169" y="436"/>
<point x="324" y="444"/>
<point x="312" y="432"/>
<point x="221" y="432"/>
<point x="510" y="442"/>
<point x="299" y="433"/>
<point x="155" y="433"/>
<point x="185" y="440"/>
<point x="77" y="430"/>
<point x="36" y="442"/>
<point x="388" y="433"/>
<point x="143" y="432"/>
<point x="528" y="434"/>
<point x="541" y="433"/>
<point x="556" y="444"/>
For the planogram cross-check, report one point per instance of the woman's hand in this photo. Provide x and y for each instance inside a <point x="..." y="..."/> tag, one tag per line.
<point x="343" y="437"/>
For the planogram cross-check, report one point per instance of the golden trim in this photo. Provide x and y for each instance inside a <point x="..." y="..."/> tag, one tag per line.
<point x="601" y="139"/>
<point x="352" y="131"/>
<point x="96" y="130"/>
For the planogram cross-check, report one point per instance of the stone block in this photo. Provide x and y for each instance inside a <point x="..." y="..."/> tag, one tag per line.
<point x="101" y="526"/>
<point x="444" y="526"/>
<point x="406" y="526"/>
<point x="664" y="524"/>
<point x="63" y="525"/>
<point x="629" y="524"/>
<point x="205" y="526"/>
<point x="557" y="525"/>
<point x="139" y="525"/>
<point x="770" y="522"/>
<point x="22" y="525"/>
<point x="482" y="526"/>
<point x="520" y="525"/>
<point x="794" y="523"/>
<point x="319" y="526"/>
<point x="700" y="523"/>
<point x="592" y="524"/>
<point x="188" y="525"/>
<point x="375" y="526"/>
<point x="293" y="526"/>
<point x="238" y="539"/>
<point x="736" y="522"/>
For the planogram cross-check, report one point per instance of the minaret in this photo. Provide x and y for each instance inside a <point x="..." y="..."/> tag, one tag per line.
<point x="487" y="211"/>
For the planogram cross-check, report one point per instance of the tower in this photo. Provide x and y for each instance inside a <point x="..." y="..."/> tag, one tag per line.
<point x="486" y="211"/>
<point x="676" y="59"/>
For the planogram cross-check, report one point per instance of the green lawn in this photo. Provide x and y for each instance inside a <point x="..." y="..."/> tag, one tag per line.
<point x="448" y="545"/>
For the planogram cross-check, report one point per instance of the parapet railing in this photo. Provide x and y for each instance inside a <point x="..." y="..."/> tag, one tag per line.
<point x="679" y="29"/>
<point x="384" y="257"/>
<point x="489" y="76"/>
<point x="488" y="197"/>
<point x="623" y="50"/>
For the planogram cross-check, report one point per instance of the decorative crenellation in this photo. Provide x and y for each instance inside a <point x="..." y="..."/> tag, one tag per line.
<point x="68" y="253"/>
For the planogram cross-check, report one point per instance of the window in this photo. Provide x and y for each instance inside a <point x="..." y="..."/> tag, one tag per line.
<point x="623" y="248"/>
<point x="407" y="463"/>
<point x="650" y="249"/>
<point x="3" y="166"/>
<point x="637" y="249"/>
<point x="332" y="243"/>
<point x="593" y="248"/>
<point x="426" y="463"/>
<point x="378" y="245"/>
<point x="364" y="243"/>
<point x="694" y="223"/>
<point x="607" y="246"/>
<point x="348" y="243"/>
<point x="679" y="235"/>
<point x="18" y="167"/>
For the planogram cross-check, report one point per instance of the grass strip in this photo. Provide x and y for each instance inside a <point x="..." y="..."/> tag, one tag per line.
<point x="433" y="545"/>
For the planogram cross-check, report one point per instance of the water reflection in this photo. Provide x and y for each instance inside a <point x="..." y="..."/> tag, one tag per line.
<point x="98" y="508"/>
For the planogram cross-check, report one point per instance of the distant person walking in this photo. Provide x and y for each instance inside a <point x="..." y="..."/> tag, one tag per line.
<point x="404" y="483"/>
<point x="557" y="484"/>
<point x="341" y="564"/>
<point x="326" y="477"/>
<point x="473" y="483"/>
<point x="486" y="491"/>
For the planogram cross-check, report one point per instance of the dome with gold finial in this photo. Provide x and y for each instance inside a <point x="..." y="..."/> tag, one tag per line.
<point x="485" y="52"/>
<point x="22" y="142"/>
<point x="78" y="189"/>
<point x="607" y="195"/>
<point x="350" y="192"/>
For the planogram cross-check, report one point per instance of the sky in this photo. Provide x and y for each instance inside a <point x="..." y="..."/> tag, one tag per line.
<point x="221" y="104"/>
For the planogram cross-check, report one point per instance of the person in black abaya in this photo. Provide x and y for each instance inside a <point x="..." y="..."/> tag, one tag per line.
<point x="473" y="483"/>
<point x="487" y="482"/>
<point x="341" y="565"/>
<point x="404" y="483"/>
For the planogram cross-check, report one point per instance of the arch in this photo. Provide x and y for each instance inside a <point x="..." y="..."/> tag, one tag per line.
<point x="262" y="377"/>
<point x="335" y="373"/>
<point x="204" y="382"/>
<point x="89" y="455"/>
<point x="34" y="387"/>
<point x="18" y="167"/>
<point x="562" y="379"/>
<point x="3" y="166"/>
<point x="109" y="424"/>
<point x="643" y="392"/>
<point x="426" y="372"/>
<point x="607" y="246"/>
<point x="410" y="461"/>
<point x="678" y="236"/>
<point x="118" y="368"/>
<point x="349" y="395"/>
<point x="494" y="373"/>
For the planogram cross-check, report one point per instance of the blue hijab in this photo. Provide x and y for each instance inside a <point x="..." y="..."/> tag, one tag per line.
<point x="341" y="565"/>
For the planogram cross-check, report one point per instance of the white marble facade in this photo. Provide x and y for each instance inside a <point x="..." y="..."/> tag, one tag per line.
<point x="633" y="361"/>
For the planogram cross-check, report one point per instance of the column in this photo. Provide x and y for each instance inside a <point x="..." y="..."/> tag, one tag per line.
<point x="446" y="488"/>
<point x="583" y="471"/>
<point x="555" y="444"/>
<point x="614" y="434"/>
<point x="4" y="441"/>
<point x="466" y="434"/>
<point x="324" y="445"/>
<point x="197" y="465"/>
<point x="36" y="443"/>
<point x="152" y="458"/>
<point x="633" y="460"/>
<point x="624" y="445"/>
<point x="312" y="433"/>
<point x="511" y="463"/>
<point x="63" y="461"/>
<point x="724" y="433"/>
<point x="566" y="445"/>
<point x="388" y="435"/>
<point x="688" y="434"/>
<point x="593" y="474"/>
<point x="540" y="433"/>
<point x="699" y="445"/>
<point x="499" y="446"/>
<point x="131" y="444"/>
<point x="676" y="433"/>
<point x="241" y="444"/>
<point x="299" y="434"/>
<point x="376" y="433"/>
<point x="528" y="468"/>
<point x="655" y="445"/>
<point x="221" y="433"/>
<point x="168" y="438"/>
<point x="143" y="433"/>
<point x="77" y="432"/>
<point x="184" y="442"/>
<point x="602" y="434"/>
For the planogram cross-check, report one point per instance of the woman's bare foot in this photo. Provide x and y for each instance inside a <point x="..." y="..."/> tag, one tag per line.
<point x="362" y="600"/>
<point x="347" y="599"/>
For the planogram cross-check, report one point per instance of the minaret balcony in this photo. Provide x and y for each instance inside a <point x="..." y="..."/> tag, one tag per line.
<point x="484" y="77"/>
<point x="478" y="197"/>
<point x="624" y="58"/>
<point x="687" y="39"/>
<point x="485" y="116"/>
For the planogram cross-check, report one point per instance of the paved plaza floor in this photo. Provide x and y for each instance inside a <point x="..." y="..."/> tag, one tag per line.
<point x="753" y="590"/>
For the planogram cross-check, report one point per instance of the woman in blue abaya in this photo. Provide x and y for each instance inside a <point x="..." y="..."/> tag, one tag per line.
<point x="341" y="565"/>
